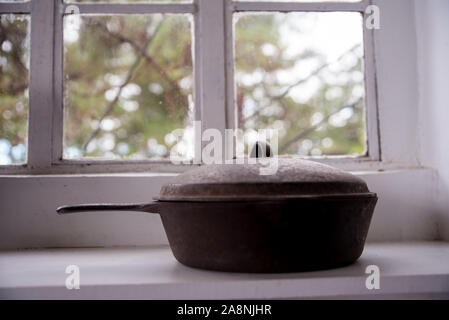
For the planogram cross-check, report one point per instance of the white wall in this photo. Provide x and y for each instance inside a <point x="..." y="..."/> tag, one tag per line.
<point x="432" y="27"/>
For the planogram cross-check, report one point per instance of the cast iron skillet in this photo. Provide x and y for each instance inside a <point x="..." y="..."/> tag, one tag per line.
<point x="285" y="235"/>
<point x="308" y="216"/>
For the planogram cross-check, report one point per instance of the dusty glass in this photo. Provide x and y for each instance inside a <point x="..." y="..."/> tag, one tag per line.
<point x="14" y="85"/>
<point x="302" y="74"/>
<point x="128" y="86"/>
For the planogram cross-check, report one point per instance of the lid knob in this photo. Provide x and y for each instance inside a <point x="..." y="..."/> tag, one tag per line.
<point x="261" y="149"/>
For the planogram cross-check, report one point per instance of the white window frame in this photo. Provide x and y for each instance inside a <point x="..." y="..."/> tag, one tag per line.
<point x="213" y="72"/>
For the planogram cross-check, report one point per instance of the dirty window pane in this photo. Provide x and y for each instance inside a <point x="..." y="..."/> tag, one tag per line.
<point x="302" y="73"/>
<point x="14" y="80"/>
<point x="128" y="86"/>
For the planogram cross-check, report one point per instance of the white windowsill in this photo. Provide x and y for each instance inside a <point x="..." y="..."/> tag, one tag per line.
<point x="416" y="269"/>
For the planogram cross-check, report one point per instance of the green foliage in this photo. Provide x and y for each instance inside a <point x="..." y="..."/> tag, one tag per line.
<point x="129" y="84"/>
<point x="144" y="58"/>
<point x="13" y="88"/>
<point x="258" y="84"/>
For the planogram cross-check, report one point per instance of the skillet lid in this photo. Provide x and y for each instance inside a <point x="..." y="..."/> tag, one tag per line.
<point x="293" y="178"/>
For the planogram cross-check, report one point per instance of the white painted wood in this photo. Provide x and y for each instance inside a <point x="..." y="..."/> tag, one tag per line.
<point x="397" y="87"/>
<point x="231" y="116"/>
<point x="132" y="8"/>
<point x="371" y="105"/>
<point x="196" y="34"/>
<point x="407" y="270"/>
<point x="212" y="64"/>
<point x="15" y="7"/>
<point x="231" y="111"/>
<point x="58" y="89"/>
<point x="41" y="85"/>
<point x="299" y="6"/>
<point x="113" y="166"/>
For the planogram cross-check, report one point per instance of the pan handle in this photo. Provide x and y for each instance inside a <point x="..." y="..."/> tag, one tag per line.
<point x="152" y="207"/>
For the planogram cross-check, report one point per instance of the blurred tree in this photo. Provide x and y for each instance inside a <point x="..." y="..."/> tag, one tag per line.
<point x="129" y="85"/>
<point x="322" y="124"/>
<point x="14" y="58"/>
<point x="130" y="82"/>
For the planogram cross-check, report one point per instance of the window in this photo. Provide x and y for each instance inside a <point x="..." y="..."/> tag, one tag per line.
<point x="109" y="86"/>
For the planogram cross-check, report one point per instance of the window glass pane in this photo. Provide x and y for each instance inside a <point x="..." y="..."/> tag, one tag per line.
<point x="302" y="73"/>
<point x="128" y="86"/>
<point x="14" y="78"/>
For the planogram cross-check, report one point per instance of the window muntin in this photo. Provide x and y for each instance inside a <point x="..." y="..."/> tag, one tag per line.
<point x="14" y="85"/>
<point x="302" y="73"/>
<point x="130" y="1"/>
<point x="128" y="85"/>
<point x="298" y="1"/>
